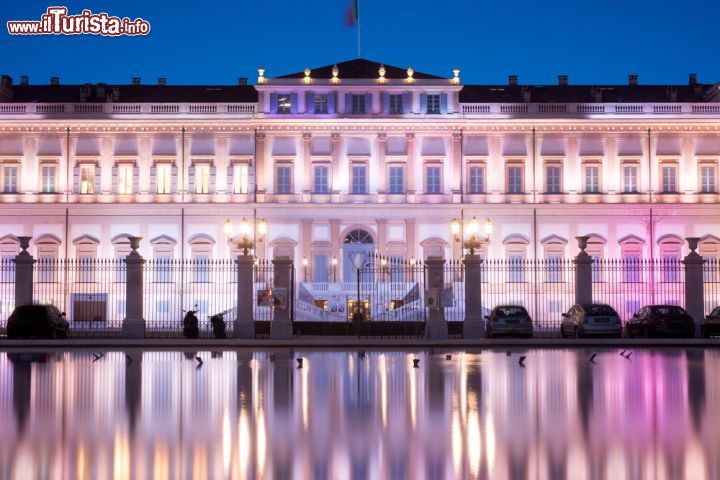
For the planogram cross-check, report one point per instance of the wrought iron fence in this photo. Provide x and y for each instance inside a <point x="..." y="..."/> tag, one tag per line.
<point x="629" y="284"/>
<point x="711" y="281"/>
<point x="7" y="290"/>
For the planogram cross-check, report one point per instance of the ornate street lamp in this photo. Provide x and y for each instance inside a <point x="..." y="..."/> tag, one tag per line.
<point x="249" y="234"/>
<point x="473" y="241"/>
<point x="334" y="265"/>
<point x="305" y="265"/>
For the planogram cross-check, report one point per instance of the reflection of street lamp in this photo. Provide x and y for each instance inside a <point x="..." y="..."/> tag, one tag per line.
<point x="334" y="265"/>
<point x="248" y="235"/>
<point x="357" y="261"/>
<point x="305" y="265"/>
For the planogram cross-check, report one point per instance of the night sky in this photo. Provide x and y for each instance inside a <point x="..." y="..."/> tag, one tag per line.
<point x="214" y="42"/>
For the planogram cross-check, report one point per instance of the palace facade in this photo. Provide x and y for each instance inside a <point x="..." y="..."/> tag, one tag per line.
<point x="359" y="156"/>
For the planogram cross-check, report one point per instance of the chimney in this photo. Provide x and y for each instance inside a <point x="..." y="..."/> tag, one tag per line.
<point x="526" y="94"/>
<point x="85" y="91"/>
<point x="242" y="81"/>
<point x="596" y="94"/>
<point x="633" y="80"/>
<point x="6" y="81"/>
<point x="672" y="93"/>
<point x="115" y="94"/>
<point x="6" y="93"/>
<point x="513" y="80"/>
<point x="692" y="79"/>
<point x="24" y="80"/>
<point x="100" y="90"/>
<point x="54" y="80"/>
<point x="563" y="80"/>
<point x="136" y="80"/>
<point x="162" y="81"/>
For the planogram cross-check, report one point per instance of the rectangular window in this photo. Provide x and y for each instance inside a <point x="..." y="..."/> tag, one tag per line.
<point x="46" y="268"/>
<point x="630" y="179"/>
<point x="396" y="104"/>
<point x="320" y="272"/>
<point x="476" y="180"/>
<point x="163" y="177"/>
<point x="632" y="267"/>
<point x="432" y="180"/>
<point x="121" y="272"/>
<point x="240" y="178"/>
<point x="163" y="268"/>
<point x="284" y="103"/>
<point x="515" y="179"/>
<point x="320" y="179"/>
<point x="671" y="267"/>
<point x="515" y="271"/>
<point x="10" y="179"/>
<point x="596" y="271"/>
<point x="202" y="179"/>
<point x="359" y="180"/>
<point x="358" y="104"/>
<point x="202" y="267"/>
<point x="125" y="179"/>
<point x="87" y="179"/>
<point x="397" y="180"/>
<point x="707" y="179"/>
<point x="669" y="179"/>
<point x="433" y="104"/>
<point x="552" y="179"/>
<point x="8" y="270"/>
<point x="554" y="268"/>
<point x="48" y="179"/>
<point x="592" y="179"/>
<point x="86" y="268"/>
<point x="710" y="268"/>
<point x="321" y="103"/>
<point x="283" y="179"/>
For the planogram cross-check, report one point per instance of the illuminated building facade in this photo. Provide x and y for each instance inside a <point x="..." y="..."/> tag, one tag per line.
<point x="359" y="156"/>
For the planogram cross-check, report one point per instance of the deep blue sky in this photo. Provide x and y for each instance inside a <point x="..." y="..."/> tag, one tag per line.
<point x="216" y="41"/>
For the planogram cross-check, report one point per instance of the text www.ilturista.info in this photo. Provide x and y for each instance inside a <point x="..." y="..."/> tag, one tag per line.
<point x="56" y="21"/>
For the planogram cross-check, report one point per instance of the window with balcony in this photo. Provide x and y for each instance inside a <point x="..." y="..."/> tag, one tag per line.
<point x="358" y="104"/>
<point x="87" y="179"/>
<point x="163" y="179"/>
<point x="396" y="184"/>
<point x="10" y="179"/>
<point x="552" y="179"/>
<point x="240" y="178"/>
<point x="48" y="179"/>
<point x="125" y="179"/>
<point x="283" y="179"/>
<point x="630" y="179"/>
<point x="433" y="104"/>
<point x="320" y="179"/>
<point x="515" y="179"/>
<point x="669" y="179"/>
<point x="202" y="179"/>
<point x="707" y="179"/>
<point x="321" y="103"/>
<point x="359" y="180"/>
<point x="284" y="103"/>
<point x="476" y="179"/>
<point x="592" y="179"/>
<point x="433" y="180"/>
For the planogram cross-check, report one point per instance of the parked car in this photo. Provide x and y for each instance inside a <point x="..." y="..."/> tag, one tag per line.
<point x="661" y="321"/>
<point x="710" y="326"/>
<point x="37" y="321"/>
<point x="591" y="320"/>
<point x="509" y="320"/>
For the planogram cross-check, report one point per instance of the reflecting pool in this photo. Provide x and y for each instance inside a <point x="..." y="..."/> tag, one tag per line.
<point x="652" y="414"/>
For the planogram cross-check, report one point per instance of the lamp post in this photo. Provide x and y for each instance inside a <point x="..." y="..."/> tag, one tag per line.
<point x="334" y="265"/>
<point x="357" y="260"/>
<point x="249" y="234"/>
<point x="305" y="265"/>
<point x="473" y="241"/>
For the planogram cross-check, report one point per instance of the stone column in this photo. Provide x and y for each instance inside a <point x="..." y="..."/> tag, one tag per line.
<point x="583" y="273"/>
<point x="335" y="244"/>
<point x="694" y="286"/>
<point x="260" y="146"/>
<point x="382" y="228"/>
<point x="244" y="326"/>
<point x="474" y="323"/>
<point x="436" y="327"/>
<point x="24" y="265"/>
<point x="382" y="185"/>
<point x="410" y="165"/>
<point x="133" y="325"/>
<point x="335" y="162"/>
<point x="281" y="326"/>
<point x="456" y="163"/>
<point x="307" y="163"/>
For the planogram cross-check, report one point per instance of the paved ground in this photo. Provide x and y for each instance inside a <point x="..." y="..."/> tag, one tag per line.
<point x="341" y="343"/>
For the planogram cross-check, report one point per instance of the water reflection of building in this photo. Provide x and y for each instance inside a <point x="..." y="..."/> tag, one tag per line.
<point x="344" y="415"/>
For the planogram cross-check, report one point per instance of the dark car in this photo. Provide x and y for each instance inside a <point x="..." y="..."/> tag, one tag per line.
<point x="37" y="321"/>
<point x="594" y="319"/>
<point x="509" y="320"/>
<point x="710" y="326"/>
<point x="661" y="321"/>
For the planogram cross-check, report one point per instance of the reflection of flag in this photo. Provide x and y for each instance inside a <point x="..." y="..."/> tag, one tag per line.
<point x="352" y="15"/>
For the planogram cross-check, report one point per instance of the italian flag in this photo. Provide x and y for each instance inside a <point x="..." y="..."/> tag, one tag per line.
<point x="353" y="13"/>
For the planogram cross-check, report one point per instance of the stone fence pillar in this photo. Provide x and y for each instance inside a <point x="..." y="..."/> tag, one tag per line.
<point x="24" y="265"/>
<point x="583" y="273"/>
<point x="694" y="287"/>
<point x="244" y="326"/>
<point x="133" y="325"/>
<point x="281" y="326"/>
<point x="474" y="323"/>
<point x="436" y="327"/>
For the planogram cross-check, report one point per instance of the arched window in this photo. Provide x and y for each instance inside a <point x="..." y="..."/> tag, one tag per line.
<point x="358" y="244"/>
<point x="596" y="250"/>
<point x="86" y="248"/>
<point x="433" y="247"/>
<point x="163" y="252"/>
<point x="9" y="248"/>
<point x="201" y="248"/>
<point x="358" y="236"/>
<point x="516" y="252"/>
<point x="48" y="248"/>
<point x="670" y="248"/>
<point x="631" y="247"/>
<point x="709" y="248"/>
<point x="554" y="249"/>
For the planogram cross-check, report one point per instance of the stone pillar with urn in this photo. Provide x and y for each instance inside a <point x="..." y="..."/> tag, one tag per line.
<point x="133" y="325"/>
